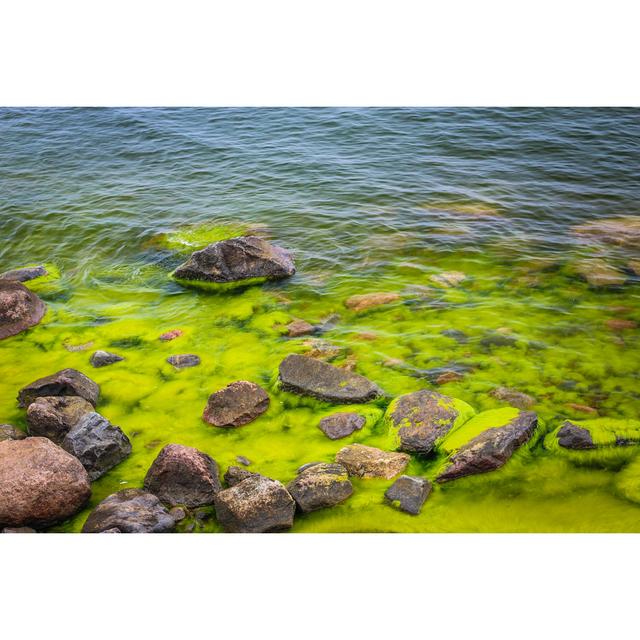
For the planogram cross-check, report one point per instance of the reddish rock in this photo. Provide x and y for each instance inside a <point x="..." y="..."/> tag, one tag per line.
<point x="171" y="335"/>
<point x="299" y="328"/>
<point x="369" y="462"/>
<point x="620" y="324"/>
<point x="237" y="404"/>
<point x="582" y="408"/>
<point x="513" y="397"/>
<point x="449" y="376"/>
<point x="409" y="493"/>
<point x="20" y="308"/>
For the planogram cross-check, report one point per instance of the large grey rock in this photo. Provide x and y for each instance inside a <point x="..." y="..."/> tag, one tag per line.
<point x="409" y="492"/>
<point x="68" y="382"/>
<point x="237" y="259"/>
<point x="342" y="424"/>
<point x="129" y="511"/>
<point x="368" y="462"/>
<point x="97" y="443"/>
<point x="320" y="486"/>
<point x="312" y="377"/>
<point x="24" y="274"/>
<point x="9" y="432"/>
<point x="20" y="308"/>
<point x="53" y="416"/>
<point x="237" y="404"/>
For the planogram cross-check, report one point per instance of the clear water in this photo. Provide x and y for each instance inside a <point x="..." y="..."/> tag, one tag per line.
<point x="369" y="200"/>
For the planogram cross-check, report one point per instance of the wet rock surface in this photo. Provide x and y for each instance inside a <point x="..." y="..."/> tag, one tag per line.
<point x="20" y="308"/>
<point x="599" y="273"/>
<point x="365" y="301"/>
<point x="54" y="416"/>
<point x="341" y="425"/>
<point x="410" y="492"/>
<point x="320" y="486"/>
<point x="24" y="274"/>
<point x="129" y="511"/>
<point x="237" y="404"/>
<point x="68" y="382"/>
<point x="184" y="360"/>
<point x="312" y="377"/>
<point x="183" y="476"/>
<point x="40" y="484"/>
<point x="368" y="462"/>
<point x="237" y="259"/>
<point x="572" y="436"/>
<point x="255" y="505"/>
<point x="167" y="336"/>
<point x="299" y="328"/>
<point x="104" y="358"/>
<point x="623" y="231"/>
<point x="98" y="444"/>
<point x="513" y="397"/>
<point x="9" y="432"/>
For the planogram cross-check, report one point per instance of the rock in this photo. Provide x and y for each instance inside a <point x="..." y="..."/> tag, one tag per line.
<point x="322" y="350"/>
<point x="25" y="274"/>
<point x="54" y="416"/>
<point x="311" y="377"/>
<point x="130" y="511"/>
<point x="341" y="425"/>
<point x="243" y="461"/>
<point x="237" y="404"/>
<point x="571" y="436"/>
<point x="183" y="476"/>
<point x="369" y="462"/>
<point x="492" y="448"/>
<point x="20" y="308"/>
<point x="184" y="360"/>
<point x="320" y="486"/>
<point x="410" y="492"/>
<point x="459" y="336"/>
<point x="623" y="231"/>
<point x="255" y="505"/>
<point x="368" y="300"/>
<point x="498" y="339"/>
<point x="237" y="259"/>
<point x="448" y="278"/>
<point x="447" y="372"/>
<point x="581" y="408"/>
<point x="18" y="530"/>
<point x="234" y="475"/>
<point x="171" y="335"/>
<point x="9" y="432"/>
<point x="307" y="465"/>
<point x="97" y="443"/>
<point x="599" y="273"/>
<point x="68" y="382"/>
<point x="449" y="376"/>
<point x="634" y="267"/>
<point x="40" y="484"/>
<point x="104" y="358"/>
<point x="75" y="348"/>
<point x="620" y="324"/>
<point x="418" y="420"/>
<point x="513" y="397"/>
<point x="299" y="328"/>
<point x="177" y="513"/>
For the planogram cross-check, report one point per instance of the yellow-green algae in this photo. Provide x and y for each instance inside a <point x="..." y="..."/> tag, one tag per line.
<point x="191" y="237"/>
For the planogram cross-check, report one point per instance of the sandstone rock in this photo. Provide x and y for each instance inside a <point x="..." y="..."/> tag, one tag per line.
<point x="299" y="328"/>
<point x="171" y="335"/>
<point x="369" y="462"/>
<point x="341" y="425"/>
<point x="184" y="360"/>
<point x="513" y="397"/>
<point x="311" y="377"/>
<point x="572" y="436"/>
<point x="233" y="475"/>
<point x="237" y="259"/>
<point x="40" y="484"/>
<point x="98" y="444"/>
<point x="410" y="492"/>
<point x="54" y="416"/>
<point x="104" y="358"/>
<point x="368" y="300"/>
<point x="178" y="514"/>
<point x="24" y="274"/>
<point x="255" y="505"/>
<point x="20" y="308"/>
<point x="130" y="511"/>
<point x="68" y="382"/>
<point x="320" y="486"/>
<point x="183" y="476"/>
<point x="237" y="404"/>
<point x="322" y="349"/>
<point x="9" y="432"/>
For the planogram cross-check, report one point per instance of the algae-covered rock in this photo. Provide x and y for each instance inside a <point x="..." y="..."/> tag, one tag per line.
<point x="20" y="308"/>
<point x="627" y="481"/>
<point x="130" y="511"/>
<point x="493" y="447"/>
<point x="418" y="421"/>
<point x="237" y="404"/>
<point x="9" y="432"/>
<point x="54" y="416"/>
<point x="68" y="382"/>
<point x="104" y="358"/>
<point x="571" y="436"/>
<point x="369" y="462"/>
<point x="409" y="493"/>
<point x="312" y="377"/>
<point x="623" y="230"/>
<point x="448" y="278"/>
<point x="363" y="301"/>
<point x="320" y="486"/>
<point x="24" y="274"/>
<point x="341" y="424"/>
<point x="599" y="273"/>
<point x="184" y="360"/>
<point x="597" y="433"/>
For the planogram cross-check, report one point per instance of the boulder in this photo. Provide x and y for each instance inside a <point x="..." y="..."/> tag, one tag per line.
<point x="418" y="420"/>
<point x="234" y="474"/>
<point x="183" y="476"/>
<point x="369" y="462"/>
<point x="320" y="486"/>
<point x="184" y="360"/>
<point x="513" y="397"/>
<point x="24" y="274"/>
<point x="97" y="443"/>
<point x="68" y="382"/>
<point x="40" y="484"/>
<point x="409" y="492"/>
<point x="572" y="436"/>
<point x="19" y="308"/>
<point x="237" y="259"/>
<point x="129" y="511"/>
<point x="492" y="448"/>
<point x="237" y="404"/>
<point x="341" y="425"/>
<point x="255" y="505"/>
<point x="9" y="432"/>
<point x="53" y="416"/>
<point x="312" y="377"/>
<point x="104" y="358"/>
<point x="364" y="301"/>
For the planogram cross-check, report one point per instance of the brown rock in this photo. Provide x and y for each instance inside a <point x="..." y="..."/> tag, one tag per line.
<point x="513" y="397"/>
<point x="620" y="324"/>
<point x="409" y="492"/>
<point x="369" y="462"/>
<point x="233" y="475"/>
<point x="320" y="486"/>
<point x="634" y="266"/>
<point x="53" y="416"/>
<point x="237" y="404"/>
<point x="9" y="432"/>
<point x="368" y="300"/>
<point x="572" y="436"/>
<point x="449" y="376"/>
<point x="68" y="382"/>
<point x="171" y="335"/>
<point x="582" y="408"/>
<point x="20" y="308"/>
<point x="184" y="360"/>
<point x="448" y="278"/>
<point x="24" y="274"/>
<point x="341" y="425"/>
<point x="299" y="328"/>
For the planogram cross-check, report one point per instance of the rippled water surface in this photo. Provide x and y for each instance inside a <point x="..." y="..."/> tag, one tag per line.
<point x="369" y="200"/>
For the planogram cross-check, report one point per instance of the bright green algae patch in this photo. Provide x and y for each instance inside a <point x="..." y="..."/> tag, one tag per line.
<point x="190" y="238"/>
<point x="460" y="435"/>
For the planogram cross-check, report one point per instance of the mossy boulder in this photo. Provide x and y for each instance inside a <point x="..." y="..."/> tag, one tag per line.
<point x="319" y="486"/>
<point x="369" y="462"/>
<point x="409" y="493"/>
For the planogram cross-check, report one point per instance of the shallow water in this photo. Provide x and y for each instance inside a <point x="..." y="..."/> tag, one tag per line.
<point x="369" y="200"/>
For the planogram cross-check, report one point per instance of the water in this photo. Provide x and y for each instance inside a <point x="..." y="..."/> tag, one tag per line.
<point x="369" y="200"/>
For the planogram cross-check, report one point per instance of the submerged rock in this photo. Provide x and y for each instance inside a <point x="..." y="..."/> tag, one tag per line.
<point x="320" y="486"/>
<point x="167" y="336"/>
<point x="54" y="416"/>
<point x="68" y="382"/>
<point x="237" y="259"/>
<point x="9" y="432"/>
<point x="237" y="404"/>
<point x="448" y="278"/>
<point x="24" y="274"/>
<point x="299" y="328"/>
<point x="18" y="530"/>
<point x="623" y="231"/>
<point x="40" y="484"/>
<point x="459" y="336"/>
<point x="369" y="462"/>
<point x="184" y="360"/>
<point x="104" y="358"/>
<point x="364" y="301"/>
<point x="183" y="476"/>
<point x="97" y="443"/>
<point x="255" y="505"/>
<point x="233" y="475"/>
<point x="598" y="273"/>
<point x="311" y="377"/>
<point x="620" y="324"/>
<point x="572" y="436"/>
<point x="418" y="420"/>
<point x="410" y="492"/>
<point x="513" y="397"/>
<point x="492" y="448"/>
<point x="341" y="425"/>
<point x="130" y="511"/>
<point x="20" y="308"/>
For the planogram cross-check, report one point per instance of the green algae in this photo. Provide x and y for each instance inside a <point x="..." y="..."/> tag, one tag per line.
<point x="468" y="430"/>
<point x="219" y="287"/>
<point x="188" y="238"/>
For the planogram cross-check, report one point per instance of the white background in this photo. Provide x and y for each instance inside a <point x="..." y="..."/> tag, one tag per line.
<point x="319" y="53"/>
